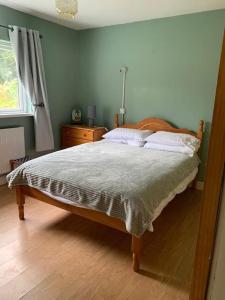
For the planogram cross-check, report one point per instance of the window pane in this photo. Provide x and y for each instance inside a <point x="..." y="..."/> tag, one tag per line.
<point x="9" y="99"/>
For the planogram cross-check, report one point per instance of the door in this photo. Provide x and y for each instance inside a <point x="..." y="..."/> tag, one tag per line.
<point x="212" y="192"/>
<point x="216" y="286"/>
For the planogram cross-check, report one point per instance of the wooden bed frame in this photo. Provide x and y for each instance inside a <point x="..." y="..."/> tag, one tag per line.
<point x="151" y="124"/>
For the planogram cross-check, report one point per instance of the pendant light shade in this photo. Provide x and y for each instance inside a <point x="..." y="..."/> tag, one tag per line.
<point x="66" y="8"/>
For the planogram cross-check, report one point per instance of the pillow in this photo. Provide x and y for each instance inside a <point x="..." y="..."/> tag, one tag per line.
<point x="128" y="142"/>
<point x="178" y="149"/>
<point x="174" y="139"/>
<point x="119" y="141"/>
<point x="127" y="134"/>
<point x="136" y="143"/>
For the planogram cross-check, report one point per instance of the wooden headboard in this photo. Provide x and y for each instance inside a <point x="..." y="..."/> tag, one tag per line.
<point x="155" y="125"/>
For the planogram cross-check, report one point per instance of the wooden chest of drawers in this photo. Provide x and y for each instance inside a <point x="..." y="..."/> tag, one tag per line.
<point x="73" y="135"/>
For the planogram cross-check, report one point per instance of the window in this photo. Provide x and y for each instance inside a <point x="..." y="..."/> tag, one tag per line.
<point x="12" y="96"/>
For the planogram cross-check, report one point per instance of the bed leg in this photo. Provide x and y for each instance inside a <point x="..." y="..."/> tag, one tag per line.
<point x="136" y="251"/>
<point x="20" y="199"/>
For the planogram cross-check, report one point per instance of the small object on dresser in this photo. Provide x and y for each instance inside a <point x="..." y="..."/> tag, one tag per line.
<point x="73" y="135"/>
<point x="14" y="163"/>
<point x="91" y="115"/>
<point x="76" y="116"/>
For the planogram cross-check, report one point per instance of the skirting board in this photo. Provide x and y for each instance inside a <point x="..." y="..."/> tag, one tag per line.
<point x="200" y="185"/>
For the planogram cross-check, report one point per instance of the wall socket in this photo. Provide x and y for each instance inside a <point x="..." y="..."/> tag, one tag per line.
<point x="122" y="111"/>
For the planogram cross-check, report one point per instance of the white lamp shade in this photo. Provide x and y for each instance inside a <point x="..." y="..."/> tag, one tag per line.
<point x="91" y="112"/>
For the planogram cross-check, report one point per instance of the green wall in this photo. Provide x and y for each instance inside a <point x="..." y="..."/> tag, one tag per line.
<point x="60" y="50"/>
<point x="173" y="65"/>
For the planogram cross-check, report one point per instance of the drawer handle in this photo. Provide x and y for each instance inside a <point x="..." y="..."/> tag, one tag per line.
<point x="85" y="135"/>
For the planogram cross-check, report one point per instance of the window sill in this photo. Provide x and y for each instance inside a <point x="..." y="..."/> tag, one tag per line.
<point x="15" y="115"/>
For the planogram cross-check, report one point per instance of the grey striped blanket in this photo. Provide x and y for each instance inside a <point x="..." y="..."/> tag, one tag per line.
<point x="123" y="181"/>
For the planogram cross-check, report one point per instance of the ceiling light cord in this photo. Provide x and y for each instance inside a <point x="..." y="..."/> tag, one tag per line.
<point x="122" y="109"/>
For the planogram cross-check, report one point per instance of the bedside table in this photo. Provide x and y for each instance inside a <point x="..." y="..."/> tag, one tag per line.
<point x="73" y="135"/>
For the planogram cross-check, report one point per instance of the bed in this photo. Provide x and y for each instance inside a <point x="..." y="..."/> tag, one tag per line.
<point x="115" y="185"/>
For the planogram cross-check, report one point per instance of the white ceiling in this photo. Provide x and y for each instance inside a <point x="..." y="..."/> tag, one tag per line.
<point x="98" y="13"/>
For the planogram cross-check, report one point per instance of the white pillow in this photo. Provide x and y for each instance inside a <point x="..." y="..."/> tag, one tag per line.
<point x="136" y="143"/>
<point x="179" y="149"/>
<point x="127" y="142"/>
<point x="174" y="139"/>
<point x="127" y="134"/>
<point x="118" y="141"/>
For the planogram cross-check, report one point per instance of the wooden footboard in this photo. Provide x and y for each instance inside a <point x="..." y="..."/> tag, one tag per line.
<point x="96" y="216"/>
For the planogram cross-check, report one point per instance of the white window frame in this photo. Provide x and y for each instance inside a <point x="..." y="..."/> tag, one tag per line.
<point x="22" y="98"/>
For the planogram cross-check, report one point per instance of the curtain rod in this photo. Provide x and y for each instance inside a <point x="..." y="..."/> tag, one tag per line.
<point x="10" y="28"/>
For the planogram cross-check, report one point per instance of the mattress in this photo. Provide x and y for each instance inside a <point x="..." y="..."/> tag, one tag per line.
<point x="126" y="182"/>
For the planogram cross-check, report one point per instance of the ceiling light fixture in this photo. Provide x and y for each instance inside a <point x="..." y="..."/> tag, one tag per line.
<point x="66" y="8"/>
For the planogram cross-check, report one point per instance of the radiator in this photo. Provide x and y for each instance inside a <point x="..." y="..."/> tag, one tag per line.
<point x="12" y="146"/>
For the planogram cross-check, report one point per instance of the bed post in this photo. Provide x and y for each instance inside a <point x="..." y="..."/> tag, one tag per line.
<point x="200" y="130"/>
<point x="20" y="199"/>
<point x="136" y="251"/>
<point x="116" y="121"/>
<point x="199" y="135"/>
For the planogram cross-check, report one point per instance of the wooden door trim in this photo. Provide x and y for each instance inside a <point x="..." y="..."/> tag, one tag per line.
<point x="211" y="194"/>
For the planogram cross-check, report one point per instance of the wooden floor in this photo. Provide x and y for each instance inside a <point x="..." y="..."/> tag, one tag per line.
<point x="56" y="255"/>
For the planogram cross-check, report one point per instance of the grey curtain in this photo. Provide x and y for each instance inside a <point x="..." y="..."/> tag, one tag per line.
<point x="29" y="59"/>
